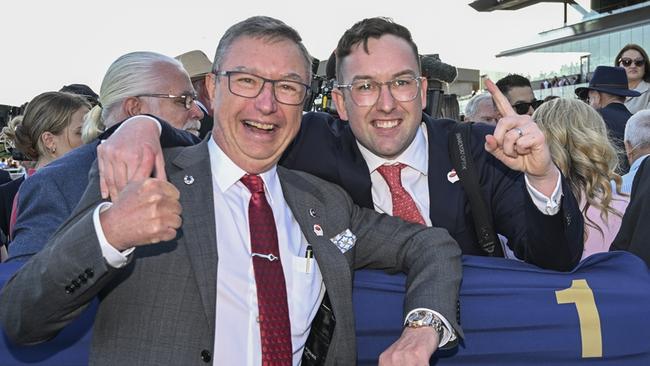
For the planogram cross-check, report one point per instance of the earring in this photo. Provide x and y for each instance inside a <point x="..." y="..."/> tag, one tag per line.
<point x="53" y="150"/>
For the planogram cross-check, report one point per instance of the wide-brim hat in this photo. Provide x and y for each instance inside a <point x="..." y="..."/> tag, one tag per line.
<point x="610" y="80"/>
<point x="196" y="63"/>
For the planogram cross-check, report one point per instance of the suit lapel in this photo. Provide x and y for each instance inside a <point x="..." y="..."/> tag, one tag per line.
<point x="303" y="201"/>
<point x="443" y="194"/>
<point x="190" y="172"/>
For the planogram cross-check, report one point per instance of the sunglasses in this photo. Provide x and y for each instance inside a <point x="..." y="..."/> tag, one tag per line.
<point x="626" y="62"/>
<point x="523" y="107"/>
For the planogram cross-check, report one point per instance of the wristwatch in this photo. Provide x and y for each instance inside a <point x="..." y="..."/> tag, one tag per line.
<point x="425" y="318"/>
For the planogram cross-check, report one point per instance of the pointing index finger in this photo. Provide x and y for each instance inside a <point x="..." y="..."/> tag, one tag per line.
<point x="500" y="100"/>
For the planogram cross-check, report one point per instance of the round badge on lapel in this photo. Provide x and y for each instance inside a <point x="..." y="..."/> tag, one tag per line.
<point x="188" y="179"/>
<point x="312" y="212"/>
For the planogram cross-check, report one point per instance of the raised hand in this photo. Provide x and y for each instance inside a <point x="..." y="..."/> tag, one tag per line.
<point x="520" y="144"/>
<point x="146" y="211"/>
<point x="122" y="154"/>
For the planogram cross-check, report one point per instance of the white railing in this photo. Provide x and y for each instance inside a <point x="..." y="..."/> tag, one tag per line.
<point x="567" y="91"/>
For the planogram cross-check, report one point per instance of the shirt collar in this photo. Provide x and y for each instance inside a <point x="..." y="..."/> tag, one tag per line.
<point x="226" y="173"/>
<point x="415" y="156"/>
<point x="637" y="162"/>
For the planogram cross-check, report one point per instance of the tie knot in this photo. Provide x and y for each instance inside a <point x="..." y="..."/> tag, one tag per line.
<point x="392" y="173"/>
<point x="253" y="182"/>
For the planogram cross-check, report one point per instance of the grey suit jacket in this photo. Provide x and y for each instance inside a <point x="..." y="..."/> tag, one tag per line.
<point x="160" y="308"/>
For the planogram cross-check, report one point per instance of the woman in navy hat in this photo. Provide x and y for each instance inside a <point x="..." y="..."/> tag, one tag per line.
<point x="634" y="60"/>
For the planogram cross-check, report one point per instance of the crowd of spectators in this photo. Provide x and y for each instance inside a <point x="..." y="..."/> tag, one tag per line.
<point x="555" y="175"/>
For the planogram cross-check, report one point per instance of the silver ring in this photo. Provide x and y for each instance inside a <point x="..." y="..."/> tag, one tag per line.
<point x="519" y="131"/>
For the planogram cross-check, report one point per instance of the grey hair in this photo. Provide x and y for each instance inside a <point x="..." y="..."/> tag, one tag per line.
<point x="131" y="74"/>
<point x="637" y="129"/>
<point x="260" y="27"/>
<point x="471" y="109"/>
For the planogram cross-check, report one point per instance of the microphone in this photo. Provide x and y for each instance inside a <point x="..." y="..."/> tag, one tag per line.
<point x="436" y="72"/>
<point x="434" y="69"/>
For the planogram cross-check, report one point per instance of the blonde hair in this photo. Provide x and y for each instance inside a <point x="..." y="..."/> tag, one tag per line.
<point x="47" y="112"/>
<point x="577" y="138"/>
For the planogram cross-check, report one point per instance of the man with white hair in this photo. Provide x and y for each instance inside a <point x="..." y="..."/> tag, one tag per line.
<point x="637" y="145"/>
<point x="481" y="109"/>
<point x="136" y="84"/>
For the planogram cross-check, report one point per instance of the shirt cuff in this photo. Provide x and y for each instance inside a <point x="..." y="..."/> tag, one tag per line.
<point x="141" y="116"/>
<point x="448" y="332"/>
<point x="548" y="206"/>
<point x="113" y="257"/>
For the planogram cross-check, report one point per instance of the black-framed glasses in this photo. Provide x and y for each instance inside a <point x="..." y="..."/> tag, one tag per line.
<point x="523" y="107"/>
<point x="249" y="85"/>
<point x="365" y="93"/>
<point x="187" y="100"/>
<point x="626" y="62"/>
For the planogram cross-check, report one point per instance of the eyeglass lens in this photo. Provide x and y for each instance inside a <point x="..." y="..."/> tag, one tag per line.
<point x="366" y="92"/>
<point x="626" y="62"/>
<point x="250" y="86"/>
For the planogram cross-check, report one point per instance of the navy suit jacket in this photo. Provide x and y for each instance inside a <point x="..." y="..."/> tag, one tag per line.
<point x="49" y="196"/>
<point x="634" y="232"/>
<point x="5" y="177"/>
<point x="616" y="116"/>
<point x="326" y="147"/>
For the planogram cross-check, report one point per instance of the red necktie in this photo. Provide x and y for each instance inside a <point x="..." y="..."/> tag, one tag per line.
<point x="403" y="205"/>
<point x="275" y="327"/>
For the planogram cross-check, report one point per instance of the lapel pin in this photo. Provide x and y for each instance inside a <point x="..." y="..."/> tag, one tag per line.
<point x="188" y="179"/>
<point x="318" y="230"/>
<point x="452" y="176"/>
<point x="312" y="212"/>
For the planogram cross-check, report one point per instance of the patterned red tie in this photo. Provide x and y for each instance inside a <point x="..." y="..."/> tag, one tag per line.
<point x="403" y="205"/>
<point x="275" y="327"/>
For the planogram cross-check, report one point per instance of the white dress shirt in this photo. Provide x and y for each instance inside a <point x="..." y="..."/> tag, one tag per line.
<point x="237" y="338"/>
<point x="237" y="335"/>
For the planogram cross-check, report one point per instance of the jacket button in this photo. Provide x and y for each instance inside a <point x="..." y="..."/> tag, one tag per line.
<point x="69" y="289"/>
<point x="206" y="356"/>
<point x="89" y="272"/>
<point x="75" y="283"/>
<point x="82" y="278"/>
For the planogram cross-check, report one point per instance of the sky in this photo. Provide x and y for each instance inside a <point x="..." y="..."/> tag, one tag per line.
<point x="48" y="44"/>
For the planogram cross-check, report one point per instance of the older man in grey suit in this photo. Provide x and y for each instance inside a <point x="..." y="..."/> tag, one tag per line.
<point x="235" y="281"/>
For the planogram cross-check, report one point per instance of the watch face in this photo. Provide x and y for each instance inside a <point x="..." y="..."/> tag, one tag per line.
<point x="420" y="318"/>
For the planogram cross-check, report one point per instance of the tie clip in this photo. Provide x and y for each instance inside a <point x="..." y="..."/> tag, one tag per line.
<point x="270" y="257"/>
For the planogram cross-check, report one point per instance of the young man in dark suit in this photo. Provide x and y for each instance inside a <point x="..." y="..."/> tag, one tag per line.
<point x="380" y="97"/>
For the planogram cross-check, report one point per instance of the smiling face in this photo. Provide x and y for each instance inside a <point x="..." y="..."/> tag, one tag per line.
<point x="388" y="127"/>
<point x="254" y="132"/>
